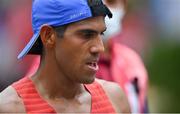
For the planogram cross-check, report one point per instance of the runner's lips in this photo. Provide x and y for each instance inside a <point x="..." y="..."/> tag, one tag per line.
<point x="93" y="65"/>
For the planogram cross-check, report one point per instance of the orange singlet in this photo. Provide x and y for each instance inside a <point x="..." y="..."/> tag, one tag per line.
<point x="34" y="103"/>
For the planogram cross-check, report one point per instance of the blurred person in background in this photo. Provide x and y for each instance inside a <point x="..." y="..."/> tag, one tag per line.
<point x="69" y="43"/>
<point x="121" y="64"/>
<point x="15" y="27"/>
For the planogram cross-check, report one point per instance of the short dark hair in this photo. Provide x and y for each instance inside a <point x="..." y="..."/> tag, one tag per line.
<point x="60" y="30"/>
<point x="37" y="48"/>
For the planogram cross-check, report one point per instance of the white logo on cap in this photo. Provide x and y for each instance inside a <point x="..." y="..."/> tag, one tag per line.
<point x="77" y="15"/>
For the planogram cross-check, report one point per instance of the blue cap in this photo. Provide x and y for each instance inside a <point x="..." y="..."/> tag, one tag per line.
<point x="61" y="12"/>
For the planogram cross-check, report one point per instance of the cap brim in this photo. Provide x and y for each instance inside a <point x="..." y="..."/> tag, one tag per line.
<point x="28" y="46"/>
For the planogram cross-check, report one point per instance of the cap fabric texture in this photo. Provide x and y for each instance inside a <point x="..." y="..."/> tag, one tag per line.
<point x="61" y="12"/>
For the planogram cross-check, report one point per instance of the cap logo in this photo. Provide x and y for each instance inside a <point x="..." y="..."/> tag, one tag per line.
<point x="78" y="15"/>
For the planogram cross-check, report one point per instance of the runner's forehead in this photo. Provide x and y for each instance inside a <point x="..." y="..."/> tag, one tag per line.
<point x="113" y="2"/>
<point x="97" y="23"/>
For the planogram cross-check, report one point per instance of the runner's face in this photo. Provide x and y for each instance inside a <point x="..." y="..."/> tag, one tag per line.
<point x="77" y="53"/>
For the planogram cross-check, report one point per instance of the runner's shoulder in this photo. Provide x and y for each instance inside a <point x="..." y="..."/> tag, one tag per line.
<point x="10" y="101"/>
<point x="116" y="95"/>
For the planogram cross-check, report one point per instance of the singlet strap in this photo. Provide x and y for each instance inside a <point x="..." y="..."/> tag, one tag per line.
<point x="32" y="101"/>
<point x="100" y="101"/>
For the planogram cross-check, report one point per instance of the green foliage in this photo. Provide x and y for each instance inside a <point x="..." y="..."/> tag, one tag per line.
<point x="164" y="72"/>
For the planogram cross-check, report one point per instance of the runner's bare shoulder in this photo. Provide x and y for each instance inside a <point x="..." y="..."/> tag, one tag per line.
<point x="10" y="102"/>
<point x="116" y="96"/>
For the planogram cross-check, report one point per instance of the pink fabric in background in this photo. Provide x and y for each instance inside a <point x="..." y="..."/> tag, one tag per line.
<point x="124" y="66"/>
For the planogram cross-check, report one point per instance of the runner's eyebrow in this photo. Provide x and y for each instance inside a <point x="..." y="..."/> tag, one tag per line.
<point x="87" y="31"/>
<point x="90" y="31"/>
<point x="104" y="30"/>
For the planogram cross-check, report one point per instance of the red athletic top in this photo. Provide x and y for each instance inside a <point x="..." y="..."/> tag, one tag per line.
<point x="34" y="103"/>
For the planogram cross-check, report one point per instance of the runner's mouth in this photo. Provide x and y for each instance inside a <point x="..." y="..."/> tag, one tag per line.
<point x="93" y="65"/>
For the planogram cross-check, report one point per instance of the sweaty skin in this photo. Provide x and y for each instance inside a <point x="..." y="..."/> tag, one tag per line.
<point x="14" y="104"/>
<point x="69" y="62"/>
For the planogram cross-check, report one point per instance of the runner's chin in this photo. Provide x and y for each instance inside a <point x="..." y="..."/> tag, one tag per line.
<point x="89" y="80"/>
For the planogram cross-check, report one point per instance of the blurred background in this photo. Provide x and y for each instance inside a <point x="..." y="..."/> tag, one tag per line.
<point x="150" y="27"/>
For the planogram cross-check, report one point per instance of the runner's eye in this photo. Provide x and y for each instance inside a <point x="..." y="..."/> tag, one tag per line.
<point x="89" y="35"/>
<point x="102" y="33"/>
